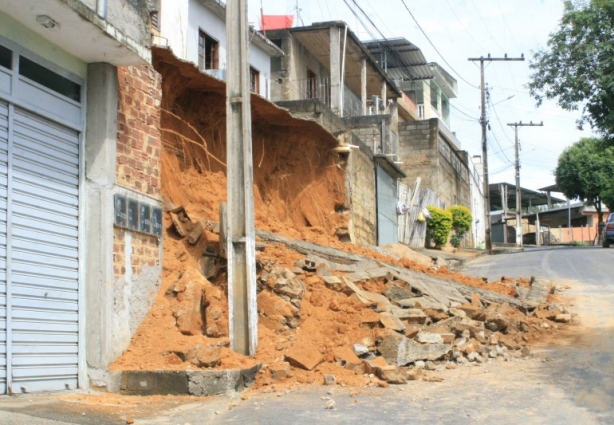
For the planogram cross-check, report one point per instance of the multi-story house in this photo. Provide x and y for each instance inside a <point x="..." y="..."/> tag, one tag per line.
<point x="327" y="75"/>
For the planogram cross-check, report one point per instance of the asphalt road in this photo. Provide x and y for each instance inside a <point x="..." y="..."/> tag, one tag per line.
<point x="569" y="383"/>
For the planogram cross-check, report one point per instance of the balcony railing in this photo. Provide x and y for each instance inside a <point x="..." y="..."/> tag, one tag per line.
<point x="319" y="88"/>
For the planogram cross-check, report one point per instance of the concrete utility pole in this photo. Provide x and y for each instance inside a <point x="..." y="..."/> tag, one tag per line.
<point x="239" y="227"/>
<point x="518" y="193"/>
<point x="484" y="124"/>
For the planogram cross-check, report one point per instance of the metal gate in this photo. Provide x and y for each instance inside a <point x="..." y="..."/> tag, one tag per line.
<point x="39" y="250"/>
<point x="387" y="222"/>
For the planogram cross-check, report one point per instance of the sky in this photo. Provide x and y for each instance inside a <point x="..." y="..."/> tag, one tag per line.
<point x="451" y="31"/>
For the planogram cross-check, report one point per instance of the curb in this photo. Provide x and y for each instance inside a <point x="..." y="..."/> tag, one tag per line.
<point x="182" y="382"/>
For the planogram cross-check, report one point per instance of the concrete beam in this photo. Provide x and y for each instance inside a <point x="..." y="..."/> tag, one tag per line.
<point x="335" y="69"/>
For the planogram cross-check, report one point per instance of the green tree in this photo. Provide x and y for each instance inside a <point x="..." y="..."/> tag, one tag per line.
<point x="577" y="68"/>
<point x="439" y="226"/>
<point x="461" y="223"/>
<point x="585" y="171"/>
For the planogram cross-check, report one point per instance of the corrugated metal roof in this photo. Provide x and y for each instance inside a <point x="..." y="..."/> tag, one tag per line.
<point x="401" y="59"/>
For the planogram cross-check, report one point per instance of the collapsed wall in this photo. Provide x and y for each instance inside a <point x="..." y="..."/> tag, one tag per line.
<point x="349" y="315"/>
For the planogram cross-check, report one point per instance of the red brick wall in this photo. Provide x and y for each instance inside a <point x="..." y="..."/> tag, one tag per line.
<point x="145" y="251"/>
<point x="138" y="132"/>
<point x="138" y="157"/>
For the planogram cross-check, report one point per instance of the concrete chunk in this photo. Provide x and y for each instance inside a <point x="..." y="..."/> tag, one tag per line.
<point x="402" y="351"/>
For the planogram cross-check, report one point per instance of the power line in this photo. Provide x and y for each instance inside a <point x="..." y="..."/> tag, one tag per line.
<point x="431" y="43"/>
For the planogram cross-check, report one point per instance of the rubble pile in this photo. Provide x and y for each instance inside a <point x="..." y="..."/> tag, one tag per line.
<point x="335" y="317"/>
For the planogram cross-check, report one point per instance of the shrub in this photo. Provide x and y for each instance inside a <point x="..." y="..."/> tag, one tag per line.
<point x="439" y="226"/>
<point x="461" y="223"/>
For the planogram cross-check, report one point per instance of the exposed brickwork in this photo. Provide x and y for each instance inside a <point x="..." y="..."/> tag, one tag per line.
<point x="145" y="251"/>
<point x="138" y="157"/>
<point x="138" y="129"/>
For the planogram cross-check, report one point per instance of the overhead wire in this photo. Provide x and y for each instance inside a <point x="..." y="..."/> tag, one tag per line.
<point x="435" y="48"/>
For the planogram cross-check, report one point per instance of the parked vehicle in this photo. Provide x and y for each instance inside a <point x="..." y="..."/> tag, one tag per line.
<point x="608" y="231"/>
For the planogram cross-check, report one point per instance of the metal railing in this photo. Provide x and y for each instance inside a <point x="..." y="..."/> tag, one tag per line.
<point x="319" y="88"/>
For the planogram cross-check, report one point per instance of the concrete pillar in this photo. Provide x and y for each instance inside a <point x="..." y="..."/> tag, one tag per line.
<point x="100" y="174"/>
<point x="335" y="70"/>
<point x="363" y="85"/>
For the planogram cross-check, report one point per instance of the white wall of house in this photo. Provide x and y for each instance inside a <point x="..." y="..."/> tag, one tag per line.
<point x="181" y="21"/>
<point x="174" y="25"/>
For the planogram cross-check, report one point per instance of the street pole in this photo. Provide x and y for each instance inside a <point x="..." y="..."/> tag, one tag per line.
<point x="484" y="124"/>
<point x="239" y="227"/>
<point x="518" y="191"/>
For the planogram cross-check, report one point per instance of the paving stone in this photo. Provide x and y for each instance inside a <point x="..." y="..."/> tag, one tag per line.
<point x="329" y="379"/>
<point x="393" y="376"/>
<point x="563" y="318"/>
<point x="279" y="371"/>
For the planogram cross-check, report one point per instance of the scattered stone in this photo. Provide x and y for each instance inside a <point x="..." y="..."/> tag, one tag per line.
<point x="411" y="330"/>
<point x="280" y="371"/>
<point x="430" y="365"/>
<point x="450" y="365"/>
<point x="392" y="376"/>
<point x="457" y="312"/>
<point x="304" y="357"/>
<point x="348" y="359"/>
<point x="334" y="283"/>
<point x="329" y="379"/>
<point x="195" y="234"/>
<point x="360" y="349"/>
<point x="420" y="364"/>
<point x="330" y="404"/>
<point x="563" y="318"/>
<point x="207" y="356"/>
<point x="413" y="374"/>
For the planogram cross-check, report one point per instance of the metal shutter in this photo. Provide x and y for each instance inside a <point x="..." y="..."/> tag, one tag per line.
<point x="387" y="224"/>
<point x="4" y="136"/>
<point x="43" y="263"/>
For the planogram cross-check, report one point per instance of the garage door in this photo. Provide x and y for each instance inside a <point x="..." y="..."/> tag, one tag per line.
<point x="387" y="221"/>
<point x="39" y="225"/>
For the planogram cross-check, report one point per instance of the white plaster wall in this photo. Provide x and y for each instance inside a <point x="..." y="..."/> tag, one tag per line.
<point x="201" y="18"/>
<point x="174" y="26"/>
<point x="261" y="61"/>
<point x="180" y="22"/>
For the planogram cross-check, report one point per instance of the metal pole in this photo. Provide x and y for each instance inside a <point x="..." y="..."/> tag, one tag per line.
<point x="240" y="235"/>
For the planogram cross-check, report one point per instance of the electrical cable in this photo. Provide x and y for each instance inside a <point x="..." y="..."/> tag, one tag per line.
<point x="431" y="43"/>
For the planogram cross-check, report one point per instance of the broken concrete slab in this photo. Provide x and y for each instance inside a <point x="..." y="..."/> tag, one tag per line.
<point x="421" y="302"/>
<point x="389" y="321"/>
<point x="540" y="288"/>
<point x="402" y="351"/>
<point x="396" y="292"/>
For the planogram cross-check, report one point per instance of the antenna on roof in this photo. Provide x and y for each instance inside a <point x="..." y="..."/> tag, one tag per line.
<point x="298" y="13"/>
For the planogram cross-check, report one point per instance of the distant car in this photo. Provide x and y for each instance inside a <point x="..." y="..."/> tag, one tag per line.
<point x="608" y="230"/>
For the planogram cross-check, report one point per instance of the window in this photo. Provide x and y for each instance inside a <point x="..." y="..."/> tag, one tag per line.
<point x="254" y="80"/>
<point x="154" y="17"/>
<point x="208" y="51"/>
<point x="49" y="79"/>
<point x="6" y="57"/>
<point x="312" y="85"/>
